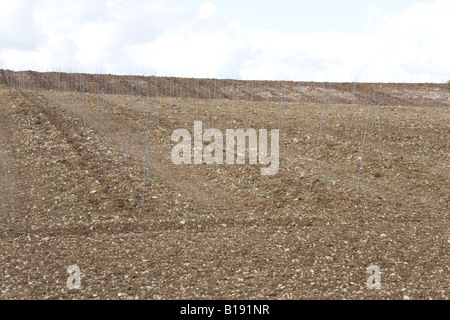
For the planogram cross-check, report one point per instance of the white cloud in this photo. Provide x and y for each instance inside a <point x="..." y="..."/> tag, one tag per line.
<point x="206" y="10"/>
<point x="412" y="46"/>
<point x="181" y="39"/>
<point x="17" y="25"/>
<point x="92" y="42"/>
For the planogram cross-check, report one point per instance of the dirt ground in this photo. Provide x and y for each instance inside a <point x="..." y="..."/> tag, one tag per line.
<point x="71" y="196"/>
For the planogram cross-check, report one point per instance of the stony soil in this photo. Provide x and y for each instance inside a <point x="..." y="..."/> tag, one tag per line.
<point x="222" y="231"/>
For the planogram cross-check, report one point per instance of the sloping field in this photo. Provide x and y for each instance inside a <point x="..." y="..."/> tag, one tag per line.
<point x="72" y="185"/>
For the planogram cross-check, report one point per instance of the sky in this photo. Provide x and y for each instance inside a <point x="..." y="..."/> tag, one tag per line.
<point x="321" y="40"/>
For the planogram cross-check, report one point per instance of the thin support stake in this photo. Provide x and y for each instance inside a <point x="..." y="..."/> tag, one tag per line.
<point x="170" y="100"/>
<point x="232" y="106"/>
<point x="181" y="105"/>
<point x="362" y="155"/>
<point x="420" y="112"/>
<point x="107" y="133"/>
<point x="128" y="139"/>
<point x="146" y="150"/>
<point x="251" y="107"/>
<point x="280" y="116"/>
<point x="299" y="111"/>
<point x="197" y="106"/>
<point x="214" y="103"/>
<point x="101" y="121"/>
<point x="84" y="117"/>
<point x="431" y="113"/>
<point x="156" y="99"/>
<point x="74" y="104"/>
<point x="318" y="143"/>
<point x="80" y="110"/>
<point x="379" y="127"/>
<point x="401" y="109"/>
<point x="59" y="94"/>
<point x="353" y="104"/>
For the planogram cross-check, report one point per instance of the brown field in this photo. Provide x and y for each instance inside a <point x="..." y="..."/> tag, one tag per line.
<point x="222" y="231"/>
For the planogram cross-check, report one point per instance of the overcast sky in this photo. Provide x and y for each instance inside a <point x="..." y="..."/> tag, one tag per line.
<point x="321" y="40"/>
